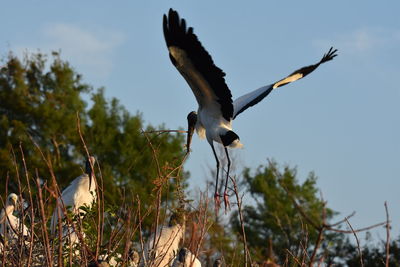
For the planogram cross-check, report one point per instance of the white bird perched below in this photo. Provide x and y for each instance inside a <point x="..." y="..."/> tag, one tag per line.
<point x="163" y="251"/>
<point x="185" y="258"/>
<point x="216" y="111"/>
<point x="80" y="192"/>
<point x="11" y="226"/>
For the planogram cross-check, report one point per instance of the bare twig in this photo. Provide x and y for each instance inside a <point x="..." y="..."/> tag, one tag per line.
<point x="387" y="236"/>
<point x="18" y="231"/>
<point x="43" y="225"/>
<point x="247" y="256"/>
<point x="294" y="257"/>
<point x="316" y="247"/>
<point x="320" y="235"/>
<point x="30" y="206"/>
<point x="356" y="230"/>
<point x="165" y="131"/>
<point x="100" y="215"/>
<point x="140" y="231"/>
<point x="358" y="243"/>
<point x="204" y="225"/>
<point x="342" y="221"/>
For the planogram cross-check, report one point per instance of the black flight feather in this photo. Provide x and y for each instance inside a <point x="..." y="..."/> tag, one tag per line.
<point x="175" y="34"/>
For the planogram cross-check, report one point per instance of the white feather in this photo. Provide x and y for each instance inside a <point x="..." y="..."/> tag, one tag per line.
<point x="76" y="195"/>
<point x="165" y="248"/>
<point x="242" y="101"/>
<point x="10" y="225"/>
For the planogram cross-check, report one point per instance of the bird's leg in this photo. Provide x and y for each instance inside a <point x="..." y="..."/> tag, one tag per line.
<point x="216" y="195"/>
<point x="226" y="196"/>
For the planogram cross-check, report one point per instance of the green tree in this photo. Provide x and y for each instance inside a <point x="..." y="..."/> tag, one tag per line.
<point x="372" y="254"/>
<point x="40" y="100"/>
<point x="274" y="223"/>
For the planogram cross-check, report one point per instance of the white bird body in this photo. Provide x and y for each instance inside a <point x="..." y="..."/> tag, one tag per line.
<point x="186" y="258"/>
<point x="213" y="127"/>
<point x="81" y="197"/>
<point x="10" y="225"/>
<point x="80" y="192"/>
<point x="165" y="248"/>
<point x="216" y="108"/>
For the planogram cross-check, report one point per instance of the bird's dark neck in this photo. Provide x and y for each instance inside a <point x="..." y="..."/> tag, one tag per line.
<point x="88" y="169"/>
<point x="89" y="172"/>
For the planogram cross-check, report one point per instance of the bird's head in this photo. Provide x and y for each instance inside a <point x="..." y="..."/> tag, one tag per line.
<point x="12" y="199"/>
<point x="177" y="218"/>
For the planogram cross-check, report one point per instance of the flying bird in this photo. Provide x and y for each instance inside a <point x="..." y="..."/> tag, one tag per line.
<point x="10" y="226"/>
<point x="80" y="192"/>
<point x="216" y="110"/>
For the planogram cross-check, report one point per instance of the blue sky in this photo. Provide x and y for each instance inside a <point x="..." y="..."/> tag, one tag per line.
<point x="342" y="121"/>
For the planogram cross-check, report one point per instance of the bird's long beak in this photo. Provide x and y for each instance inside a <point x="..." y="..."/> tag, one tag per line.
<point x="192" y="119"/>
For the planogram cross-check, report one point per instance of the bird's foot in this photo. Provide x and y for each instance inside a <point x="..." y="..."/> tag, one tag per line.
<point x="226" y="202"/>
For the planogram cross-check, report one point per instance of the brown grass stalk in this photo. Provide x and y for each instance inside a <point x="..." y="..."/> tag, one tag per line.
<point x="358" y="244"/>
<point x="43" y="224"/>
<point x="32" y="213"/>
<point x="387" y="246"/>
<point x="247" y="256"/>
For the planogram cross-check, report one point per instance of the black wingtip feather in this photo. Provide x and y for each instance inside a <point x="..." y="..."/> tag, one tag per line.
<point x="329" y="56"/>
<point x="177" y="35"/>
<point x="165" y="30"/>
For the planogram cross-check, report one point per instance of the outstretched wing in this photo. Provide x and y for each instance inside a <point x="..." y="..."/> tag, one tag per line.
<point x="244" y="102"/>
<point x="197" y="67"/>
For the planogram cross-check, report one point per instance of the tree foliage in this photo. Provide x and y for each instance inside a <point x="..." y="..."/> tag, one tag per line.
<point x="40" y="100"/>
<point x="274" y="223"/>
<point x="372" y="254"/>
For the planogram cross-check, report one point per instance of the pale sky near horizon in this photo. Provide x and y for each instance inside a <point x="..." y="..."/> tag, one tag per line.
<point x="342" y="121"/>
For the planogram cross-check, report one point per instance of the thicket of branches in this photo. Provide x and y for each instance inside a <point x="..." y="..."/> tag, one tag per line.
<point x="47" y="129"/>
<point x="40" y="101"/>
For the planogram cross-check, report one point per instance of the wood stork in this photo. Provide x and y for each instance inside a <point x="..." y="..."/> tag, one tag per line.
<point x="216" y="110"/>
<point x="185" y="258"/>
<point x="160" y="250"/>
<point x="10" y="226"/>
<point x="80" y="192"/>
